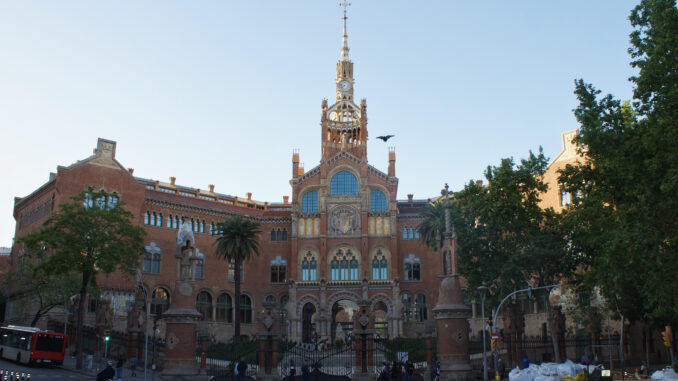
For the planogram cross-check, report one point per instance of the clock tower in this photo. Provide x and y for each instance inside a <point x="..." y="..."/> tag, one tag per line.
<point x="344" y="124"/>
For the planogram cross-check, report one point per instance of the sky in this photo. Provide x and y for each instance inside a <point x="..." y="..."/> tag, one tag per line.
<point x="222" y="92"/>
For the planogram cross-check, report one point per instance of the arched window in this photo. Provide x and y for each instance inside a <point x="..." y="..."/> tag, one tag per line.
<point x="176" y="222"/>
<point x="204" y="305"/>
<point x="278" y="235"/>
<point x="412" y="268"/>
<point x="147" y="218"/>
<point x="273" y="236"/>
<point x="278" y="270"/>
<point x="200" y="268"/>
<point x="421" y="310"/>
<point x="405" y="233"/>
<point x="159" y="301"/>
<point x="284" y="235"/>
<point x="379" y="266"/>
<point x="151" y="263"/>
<point x="170" y="221"/>
<point x="377" y="200"/>
<point x="202" y="226"/>
<point x="410" y="234"/>
<point x="225" y="308"/>
<point x="309" y="268"/>
<point x="159" y="220"/>
<point x="245" y="309"/>
<point x="408" y="310"/>
<point x="344" y="266"/>
<point x="334" y="269"/>
<point x="153" y="217"/>
<point x="344" y="182"/>
<point x="309" y="202"/>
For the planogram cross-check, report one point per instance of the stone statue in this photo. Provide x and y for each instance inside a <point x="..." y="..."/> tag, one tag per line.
<point x="104" y="314"/>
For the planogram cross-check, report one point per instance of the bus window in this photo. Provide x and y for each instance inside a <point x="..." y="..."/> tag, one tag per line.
<point x="49" y="343"/>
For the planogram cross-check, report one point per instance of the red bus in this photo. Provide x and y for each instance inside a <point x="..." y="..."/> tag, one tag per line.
<point x="30" y="345"/>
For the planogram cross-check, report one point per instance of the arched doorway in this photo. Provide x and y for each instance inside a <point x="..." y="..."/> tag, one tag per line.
<point x="308" y="322"/>
<point x="342" y="319"/>
<point x="381" y="320"/>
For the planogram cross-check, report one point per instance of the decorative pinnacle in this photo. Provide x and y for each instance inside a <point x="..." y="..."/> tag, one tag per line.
<point x="344" y="38"/>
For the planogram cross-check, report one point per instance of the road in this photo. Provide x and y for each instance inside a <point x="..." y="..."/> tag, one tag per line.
<point x="41" y="373"/>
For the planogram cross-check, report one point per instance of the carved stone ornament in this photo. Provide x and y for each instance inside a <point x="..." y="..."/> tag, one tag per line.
<point x="344" y="221"/>
<point x="364" y="320"/>
<point x="185" y="289"/>
<point x="459" y="336"/>
<point x="172" y="340"/>
<point x="268" y="321"/>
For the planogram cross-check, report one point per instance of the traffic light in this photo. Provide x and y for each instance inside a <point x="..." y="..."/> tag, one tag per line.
<point x="667" y="336"/>
<point x="107" y="335"/>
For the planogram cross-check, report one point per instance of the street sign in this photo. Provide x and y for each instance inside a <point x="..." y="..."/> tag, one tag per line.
<point x="495" y="336"/>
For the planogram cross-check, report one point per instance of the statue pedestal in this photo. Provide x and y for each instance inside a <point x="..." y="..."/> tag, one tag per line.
<point x="180" y="345"/>
<point x="452" y="331"/>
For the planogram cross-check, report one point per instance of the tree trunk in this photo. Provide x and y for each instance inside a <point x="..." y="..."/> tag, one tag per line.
<point x="80" y="320"/>
<point x="554" y="339"/>
<point x="648" y="332"/>
<point x="236" y="302"/>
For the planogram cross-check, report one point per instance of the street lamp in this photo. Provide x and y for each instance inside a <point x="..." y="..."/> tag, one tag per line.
<point x="148" y="313"/>
<point x="482" y="290"/>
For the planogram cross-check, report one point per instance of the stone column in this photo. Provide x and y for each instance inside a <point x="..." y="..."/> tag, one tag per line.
<point x="181" y="318"/>
<point x="451" y="313"/>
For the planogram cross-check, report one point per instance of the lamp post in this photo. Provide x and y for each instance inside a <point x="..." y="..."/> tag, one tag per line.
<point x="148" y="313"/>
<point x="482" y="290"/>
<point x="496" y="314"/>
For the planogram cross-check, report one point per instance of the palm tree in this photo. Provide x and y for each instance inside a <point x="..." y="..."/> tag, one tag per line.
<point x="432" y="228"/>
<point x="238" y="242"/>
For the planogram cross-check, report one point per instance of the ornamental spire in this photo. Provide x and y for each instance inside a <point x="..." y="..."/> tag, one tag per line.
<point x="344" y="38"/>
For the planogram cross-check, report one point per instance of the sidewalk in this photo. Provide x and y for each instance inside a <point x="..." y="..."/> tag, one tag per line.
<point x="69" y="364"/>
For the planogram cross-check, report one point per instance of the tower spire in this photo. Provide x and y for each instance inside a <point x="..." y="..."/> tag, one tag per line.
<point x="344" y="37"/>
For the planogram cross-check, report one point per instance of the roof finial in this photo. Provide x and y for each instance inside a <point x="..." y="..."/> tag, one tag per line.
<point x="344" y="38"/>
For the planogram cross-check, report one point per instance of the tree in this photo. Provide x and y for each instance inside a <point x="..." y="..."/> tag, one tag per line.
<point x="238" y="242"/>
<point x="93" y="234"/>
<point x="505" y="239"/>
<point x="624" y="216"/>
<point x="40" y="292"/>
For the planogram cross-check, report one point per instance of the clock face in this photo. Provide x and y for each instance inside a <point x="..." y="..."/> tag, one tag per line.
<point x="344" y="85"/>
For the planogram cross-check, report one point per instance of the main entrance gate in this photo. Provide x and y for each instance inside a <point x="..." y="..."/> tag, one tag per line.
<point x="326" y="363"/>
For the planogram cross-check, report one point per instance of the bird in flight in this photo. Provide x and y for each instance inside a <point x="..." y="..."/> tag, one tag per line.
<point x="385" y="137"/>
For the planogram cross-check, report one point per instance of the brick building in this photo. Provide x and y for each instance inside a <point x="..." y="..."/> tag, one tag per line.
<point x="342" y="238"/>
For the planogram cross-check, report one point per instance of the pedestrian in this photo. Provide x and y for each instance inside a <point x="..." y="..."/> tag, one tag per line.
<point x="395" y="371"/>
<point x="293" y="370"/>
<point x="644" y="370"/>
<point x="305" y="371"/>
<point x="133" y="365"/>
<point x="437" y="378"/>
<point x="584" y="359"/>
<point x="384" y="374"/>
<point x="433" y="369"/>
<point x="409" y="370"/>
<point x="242" y="369"/>
<point x="118" y="368"/>
<point x="526" y="361"/>
<point x="108" y="373"/>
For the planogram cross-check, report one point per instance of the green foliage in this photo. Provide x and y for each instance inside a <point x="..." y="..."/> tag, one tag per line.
<point x="505" y="238"/>
<point x="92" y="234"/>
<point x="37" y="291"/>
<point x="415" y="348"/>
<point x="239" y="242"/>
<point x="624" y="219"/>
<point x="233" y="351"/>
